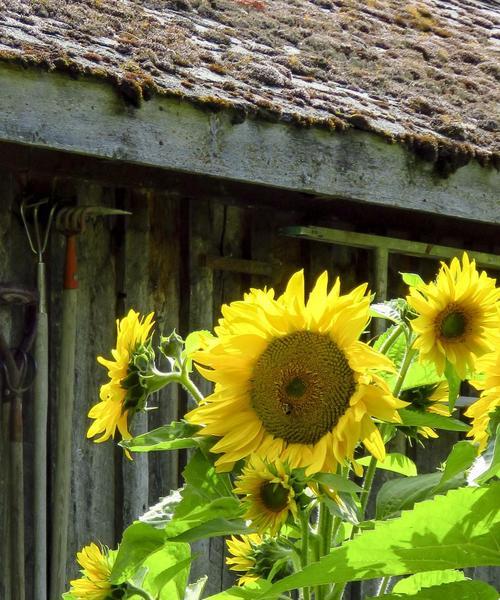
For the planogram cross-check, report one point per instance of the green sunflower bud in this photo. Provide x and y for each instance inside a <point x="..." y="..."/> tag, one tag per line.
<point x="172" y="346"/>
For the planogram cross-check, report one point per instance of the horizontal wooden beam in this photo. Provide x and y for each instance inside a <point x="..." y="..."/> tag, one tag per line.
<point x="87" y="117"/>
<point x="391" y="245"/>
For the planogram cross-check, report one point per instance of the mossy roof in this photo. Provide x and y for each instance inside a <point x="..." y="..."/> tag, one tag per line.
<point x="426" y="74"/>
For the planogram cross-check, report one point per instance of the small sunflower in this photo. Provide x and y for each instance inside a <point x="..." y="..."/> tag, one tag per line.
<point x="257" y="557"/>
<point x="293" y="381"/>
<point x="427" y="398"/>
<point x="269" y="494"/>
<point x="96" y="566"/>
<point x="458" y="318"/>
<point x="481" y="411"/>
<point x="118" y="396"/>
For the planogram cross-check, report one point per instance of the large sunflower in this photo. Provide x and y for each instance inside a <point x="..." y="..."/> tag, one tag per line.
<point x="480" y="412"/>
<point x="116" y="403"/>
<point x="292" y="380"/>
<point x="269" y="494"/>
<point x="96" y="566"/>
<point x="458" y="318"/>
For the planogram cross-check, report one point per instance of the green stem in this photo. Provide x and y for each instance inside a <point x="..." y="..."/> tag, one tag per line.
<point x="409" y="355"/>
<point x="135" y="591"/>
<point x="158" y="380"/>
<point x="304" y="521"/>
<point x="391" y="339"/>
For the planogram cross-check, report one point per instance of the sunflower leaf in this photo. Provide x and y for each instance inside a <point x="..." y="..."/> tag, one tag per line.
<point x="386" y="310"/>
<point x="336" y="482"/>
<point x="209" y="528"/>
<point x="396" y="462"/>
<point x="454" y="531"/>
<point x="487" y="465"/>
<point x="461" y="457"/>
<point x="195" y="590"/>
<point x="401" y="494"/>
<point x="176" y="435"/>
<point x="412" y="279"/>
<point x="414" y="583"/>
<point x="414" y="418"/>
<point x="466" y="590"/>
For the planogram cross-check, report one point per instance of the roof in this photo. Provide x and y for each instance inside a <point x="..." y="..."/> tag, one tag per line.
<point x="423" y="74"/>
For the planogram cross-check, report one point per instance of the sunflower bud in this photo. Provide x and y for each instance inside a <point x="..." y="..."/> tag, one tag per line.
<point x="171" y="347"/>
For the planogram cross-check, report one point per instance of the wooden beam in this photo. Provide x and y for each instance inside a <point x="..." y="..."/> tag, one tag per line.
<point x="388" y="244"/>
<point x="87" y="117"/>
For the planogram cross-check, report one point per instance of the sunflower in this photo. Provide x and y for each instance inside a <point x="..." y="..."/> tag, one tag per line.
<point x="257" y="557"/>
<point x="118" y="396"/>
<point x="96" y="566"/>
<point x="481" y="411"/>
<point x="427" y="398"/>
<point x="458" y="318"/>
<point x="292" y="380"/>
<point x="268" y="492"/>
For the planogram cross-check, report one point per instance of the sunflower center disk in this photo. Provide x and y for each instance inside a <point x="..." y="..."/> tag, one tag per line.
<point x="274" y="496"/>
<point x="301" y="386"/>
<point x="453" y="325"/>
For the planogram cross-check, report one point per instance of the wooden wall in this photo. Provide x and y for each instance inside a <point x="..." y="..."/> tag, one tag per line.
<point x="157" y="259"/>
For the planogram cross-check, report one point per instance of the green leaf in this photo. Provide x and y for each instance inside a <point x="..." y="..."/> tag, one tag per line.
<point x="396" y="462"/>
<point x="221" y="508"/>
<point x="414" y="583"/>
<point x="401" y="494"/>
<point x="138" y="543"/>
<point x="420" y="374"/>
<point x="454" y="382"/>
<point x="414" y="418"/>
<point x="465" y="590"/>
<point x="461" y="457"/>
<point x="412" y="279"/>
<point x="195" y="590"/>
<point x="214" y="528"/>
<point x="347" y="510"/>
<point x="163" y="511"/>
<point x="171" y="581"/>
<point x="336" y="482"/>
<point x="487" y="465"/>
<point x="177" y="435"/>
<point x="397" y="348"/>
<point x="454" y="531"/>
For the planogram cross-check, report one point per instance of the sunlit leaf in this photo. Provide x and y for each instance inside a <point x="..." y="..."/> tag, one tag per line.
<point x="455" y="531"/>
<point x="412" y="279"/>
<point x="177" y="435"/>
<point x="460" y="459"/>
<point x="463" y="590"/>
<point x="414" y="418"/>
<point x="414" y="583"/>
<point x="396" y="462"/>
<point x="487" y="465"/>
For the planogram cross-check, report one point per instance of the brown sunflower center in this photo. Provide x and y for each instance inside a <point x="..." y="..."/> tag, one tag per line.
<point x="301" y="386"/>
<point x="274" y="496"/>
<point x="453" y="324"/>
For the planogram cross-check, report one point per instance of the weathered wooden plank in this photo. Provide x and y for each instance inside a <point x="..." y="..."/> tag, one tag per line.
<point x="87" y="117"/>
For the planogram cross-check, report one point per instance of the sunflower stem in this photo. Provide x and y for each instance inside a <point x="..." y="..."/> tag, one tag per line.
<point x="384" y="348"/>
<point x="132" y="590"/>
<point x="405" y="365"/>
<point x="304" y="521"/>
<point x="158" y="380"/>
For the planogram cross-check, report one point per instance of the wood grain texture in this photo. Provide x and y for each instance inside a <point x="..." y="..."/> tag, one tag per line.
<point x="87" y="117"/>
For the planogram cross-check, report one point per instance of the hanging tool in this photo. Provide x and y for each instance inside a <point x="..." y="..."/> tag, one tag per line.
<point x="18" y="372"/>
<point x="38" y="238"/>
<point x="71" y="221"/>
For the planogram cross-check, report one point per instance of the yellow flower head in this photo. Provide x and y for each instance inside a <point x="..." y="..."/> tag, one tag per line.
<point x="293" y="381"/>
<point x="113" y="410"/>
<point x="480" y="412"/>
<point x="458" y="317"/>
<point x="427" y="398"/>
<point x="96" y="566"/>
<point x="269" y="494"/>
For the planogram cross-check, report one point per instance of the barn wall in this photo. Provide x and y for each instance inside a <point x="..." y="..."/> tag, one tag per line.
<point x="158" y="259"/>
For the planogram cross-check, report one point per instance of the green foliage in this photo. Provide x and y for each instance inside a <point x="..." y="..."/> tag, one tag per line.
<point x="162" y="567"/>
<point x="336" y="482"/>
<point x="463" y="590"/>
<point x="414" y="583"/>
<point x="195" y="590"/>
<point x="454" y="531"/>
<point x="395" y="462"/>
<point x="412" y="280"/>
<point x="460" y="459"/>
<point x="177" y="435"/>
<point x="413" y="418"/>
